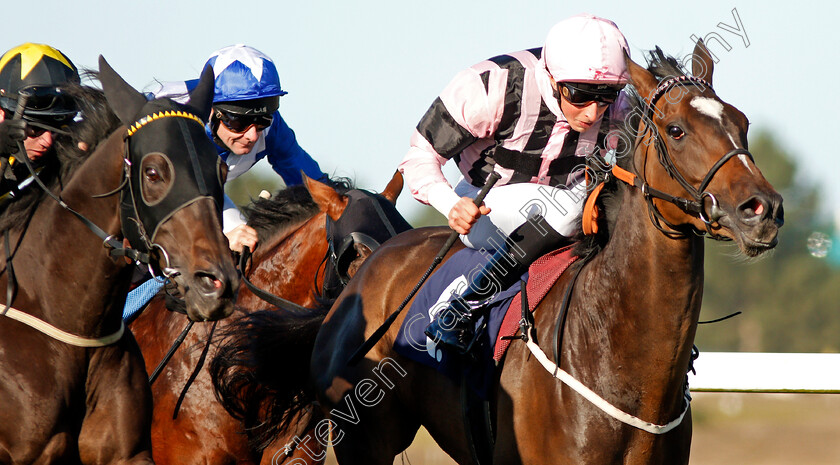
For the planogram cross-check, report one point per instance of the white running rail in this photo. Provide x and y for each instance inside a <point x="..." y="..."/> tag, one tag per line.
<point x="766" y="372"/>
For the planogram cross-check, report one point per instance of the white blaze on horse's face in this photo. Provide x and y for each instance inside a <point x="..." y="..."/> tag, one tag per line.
<point x="713" y="108"/>
<point x="709" y="107"/>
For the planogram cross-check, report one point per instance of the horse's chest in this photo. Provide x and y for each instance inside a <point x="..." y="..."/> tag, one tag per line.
<point x="42" y="386"/>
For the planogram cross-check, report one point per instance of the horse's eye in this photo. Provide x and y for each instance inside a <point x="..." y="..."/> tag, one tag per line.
<point x="152" y="174"/>
<point x="675" y="132"/>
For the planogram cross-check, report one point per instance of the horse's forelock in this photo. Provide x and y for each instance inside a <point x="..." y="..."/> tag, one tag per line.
<point x="663" y="66"/>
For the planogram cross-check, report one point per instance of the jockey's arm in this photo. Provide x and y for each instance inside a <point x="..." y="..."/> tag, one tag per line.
<point x="463" y="114"/>
<point x="287" y="157"/>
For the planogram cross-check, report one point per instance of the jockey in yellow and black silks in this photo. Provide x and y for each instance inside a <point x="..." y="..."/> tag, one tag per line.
<point x="37" y="71"/>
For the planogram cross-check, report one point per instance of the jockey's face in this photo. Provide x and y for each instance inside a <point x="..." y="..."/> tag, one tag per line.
<point x="239" y="133"/>
<point x="239" y="143"/>
<point x="38" y="145"/>
<point x="581" y="116"/>
<point x="38" y="140"/>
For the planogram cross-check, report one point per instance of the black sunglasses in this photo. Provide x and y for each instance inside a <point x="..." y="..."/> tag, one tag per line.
<point x="583" y="94"/>
<point x="241" y="123"/>
<point x="43" y="123"/>
<point x="34" y="131"/>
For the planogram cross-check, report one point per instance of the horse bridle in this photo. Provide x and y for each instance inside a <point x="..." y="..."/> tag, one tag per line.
<point x="140" y="220"/>
<point x="336" y="257"/>
<point x="699" y="195"/>
<point x="343" y="235"/>
<point x="110" y="242"/>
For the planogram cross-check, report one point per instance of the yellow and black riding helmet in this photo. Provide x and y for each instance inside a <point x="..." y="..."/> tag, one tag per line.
<point x="40" y="71"/>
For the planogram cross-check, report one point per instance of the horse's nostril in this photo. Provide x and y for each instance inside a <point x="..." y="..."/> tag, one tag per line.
<point x="208" y="283"/>
<point x="755" y="207"/>
<point x="751" y="207"/>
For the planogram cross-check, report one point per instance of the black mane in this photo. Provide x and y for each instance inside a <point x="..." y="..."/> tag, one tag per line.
<point x="285" y="208"/>
<point x="97" y="123"/>
<point x="662" y="67"/>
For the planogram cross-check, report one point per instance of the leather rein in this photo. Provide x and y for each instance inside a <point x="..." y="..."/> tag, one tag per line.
<point x="335" y="255"/>
<point x="114" y="245"/>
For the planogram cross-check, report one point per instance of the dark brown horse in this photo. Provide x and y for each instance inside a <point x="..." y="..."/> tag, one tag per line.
<point x="629" y="325"/>
<point x="73" y="388"/>
<point x="290" y="263"/>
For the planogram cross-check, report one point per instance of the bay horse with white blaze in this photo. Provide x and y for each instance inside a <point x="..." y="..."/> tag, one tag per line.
<point x="73" y="387"/>
<point x="290" y="263"/>
<point x="627" y="327"/>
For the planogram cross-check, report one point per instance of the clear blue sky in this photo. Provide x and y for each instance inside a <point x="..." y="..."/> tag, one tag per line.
<point x="361" y="73"/>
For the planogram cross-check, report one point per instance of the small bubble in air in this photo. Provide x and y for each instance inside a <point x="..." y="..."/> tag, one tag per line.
<point x="819" y="244"/>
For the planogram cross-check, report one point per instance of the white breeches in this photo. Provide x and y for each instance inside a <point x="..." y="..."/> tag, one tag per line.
<point x="513" y="204"/>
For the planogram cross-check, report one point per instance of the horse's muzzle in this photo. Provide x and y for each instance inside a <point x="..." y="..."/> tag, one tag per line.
<point x="209" y="293"/>
<point x="757" y="222"/>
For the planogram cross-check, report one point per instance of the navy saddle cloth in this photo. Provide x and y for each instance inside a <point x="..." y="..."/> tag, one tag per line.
<point x="445" y="284"/>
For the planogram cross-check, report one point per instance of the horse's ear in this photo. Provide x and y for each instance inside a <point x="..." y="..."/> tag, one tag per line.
<point x="394" y="187"/>
<point x="644" y="82"/>
<point x="329" y="201"/>
<point x="201" y="98"/>
<point x="702" y="64"/>
<point x="124" y="99"/>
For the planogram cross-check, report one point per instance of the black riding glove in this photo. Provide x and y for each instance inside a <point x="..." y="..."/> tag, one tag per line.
<point x="11" y="132"/>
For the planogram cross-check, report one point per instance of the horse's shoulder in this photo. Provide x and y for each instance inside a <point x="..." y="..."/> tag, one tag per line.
<point x="415" y="247"/>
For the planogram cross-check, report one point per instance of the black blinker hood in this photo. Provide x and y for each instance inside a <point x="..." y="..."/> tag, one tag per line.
<point x="168" y="129"/>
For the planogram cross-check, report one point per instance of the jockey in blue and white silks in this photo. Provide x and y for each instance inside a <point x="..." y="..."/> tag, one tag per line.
<point x="246" y="127"/>
<point x="245" y="124"/>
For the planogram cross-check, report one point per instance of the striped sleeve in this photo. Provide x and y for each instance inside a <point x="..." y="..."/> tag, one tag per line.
<point x="468" y="109"/>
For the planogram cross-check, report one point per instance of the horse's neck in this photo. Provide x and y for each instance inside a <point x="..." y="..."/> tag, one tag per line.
<point x="643" y="291"/>
<point x="287" y="266"/>
<point x="74" y="283"/>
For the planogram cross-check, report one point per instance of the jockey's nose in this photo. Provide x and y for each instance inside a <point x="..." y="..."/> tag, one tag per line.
<point x="252" y="134"/>
<point x="592" y="111"/>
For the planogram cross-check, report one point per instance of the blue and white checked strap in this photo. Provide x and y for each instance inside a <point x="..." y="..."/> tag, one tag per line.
<point x="139" y="297"/>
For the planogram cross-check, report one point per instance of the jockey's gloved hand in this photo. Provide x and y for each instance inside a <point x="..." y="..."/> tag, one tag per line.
<point x="11" y="132"/>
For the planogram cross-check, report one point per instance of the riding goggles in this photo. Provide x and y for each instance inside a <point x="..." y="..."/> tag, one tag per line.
<point x="242" y="123"/>
<point x="47" y="102"/>
<point x="582" y="94"/>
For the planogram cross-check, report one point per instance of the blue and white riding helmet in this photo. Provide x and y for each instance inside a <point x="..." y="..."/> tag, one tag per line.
<point x="246" y="81"/>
